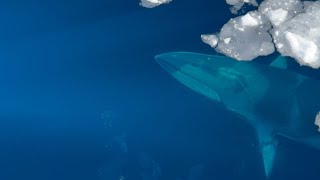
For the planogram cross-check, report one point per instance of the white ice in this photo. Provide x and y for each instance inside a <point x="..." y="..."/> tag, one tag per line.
<point x="299" y="36"/>
<point x="317" y="121"/>
<point x="153" y="3"/>
<point x="279" y="11"/>
<point x="246" y="37"/>
<point x="237" y="4"/>
<point x="210" y="39"/>
<point x="292" y="26"/>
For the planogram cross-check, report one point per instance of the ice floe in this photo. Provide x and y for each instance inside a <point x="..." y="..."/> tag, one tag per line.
<point x="291" y="27"/>
<point x="237" y="4"/>
<point x="246" y="37"/>
<point x="317" y="121"/>
<point x="153" y="3"/>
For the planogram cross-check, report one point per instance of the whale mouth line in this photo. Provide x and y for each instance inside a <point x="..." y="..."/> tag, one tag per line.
<point x="166" y="65"/>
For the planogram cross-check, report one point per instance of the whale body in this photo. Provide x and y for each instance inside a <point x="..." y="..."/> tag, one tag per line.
<point x="272" y="99"/>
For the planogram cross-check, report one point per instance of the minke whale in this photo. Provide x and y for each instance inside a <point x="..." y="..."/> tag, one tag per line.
<point x="271" y="98"/>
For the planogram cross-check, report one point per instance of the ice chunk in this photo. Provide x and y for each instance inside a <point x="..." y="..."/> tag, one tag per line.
<point x="299" y="37"/>
<point x="305" y="50"/>
<point x="279" y="11"/>
<point x="292" y="26"/>
<point x="210" y="39"/>
<point x="246" y="37"/>
<point x="234" y="2"/>
<point x="227" y="40"/>
<point x="237" y="4"/>
<point x="317" y="121"/>
<point x="278" y="16"/>
<point x="153" y="3"/>
<point x="248" y="20"/>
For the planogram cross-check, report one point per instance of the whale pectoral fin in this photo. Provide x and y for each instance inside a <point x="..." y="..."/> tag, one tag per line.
<point x="311" y="141"/>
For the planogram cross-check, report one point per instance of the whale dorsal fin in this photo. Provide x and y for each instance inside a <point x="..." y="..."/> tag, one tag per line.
<point x="281" y="63"/>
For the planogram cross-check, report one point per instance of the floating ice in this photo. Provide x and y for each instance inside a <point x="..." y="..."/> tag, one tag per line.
<point x="292" y="26"/>
<point x="237" y="4"/>
<point x="210" y="39"/>
<point x="299" y="37"/>
<point x="317" y="121"/>
<point x="153" y="3"/>
<point x="279" y="11"/>
<point x="246" y="37"/>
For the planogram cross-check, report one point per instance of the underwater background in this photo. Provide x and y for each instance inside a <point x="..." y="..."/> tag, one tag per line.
<point x="83" y="98"/>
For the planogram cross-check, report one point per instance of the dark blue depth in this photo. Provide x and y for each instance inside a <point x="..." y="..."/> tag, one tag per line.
<point x="82" y="98"/>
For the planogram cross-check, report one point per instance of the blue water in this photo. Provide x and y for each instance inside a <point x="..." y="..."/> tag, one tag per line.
<point x="82" y="97"/>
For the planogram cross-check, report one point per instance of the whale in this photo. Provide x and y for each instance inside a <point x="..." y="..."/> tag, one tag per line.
<point x="269" y="97"/>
